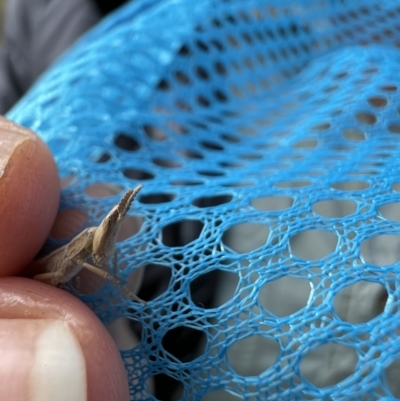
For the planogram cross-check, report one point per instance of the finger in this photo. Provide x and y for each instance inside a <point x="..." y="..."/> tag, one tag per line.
<point x="29" y="196"/>
<point x="53" y="347"/>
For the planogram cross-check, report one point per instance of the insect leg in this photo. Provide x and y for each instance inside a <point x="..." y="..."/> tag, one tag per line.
<point x="52" y="278"/>
<point x="112" y="279"/>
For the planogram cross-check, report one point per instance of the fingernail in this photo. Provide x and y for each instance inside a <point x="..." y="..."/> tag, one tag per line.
<point x="40" y="360"/>
<point x="11" y="136"/>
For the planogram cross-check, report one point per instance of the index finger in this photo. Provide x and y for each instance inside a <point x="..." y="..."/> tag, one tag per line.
<point x="29" y="195"/>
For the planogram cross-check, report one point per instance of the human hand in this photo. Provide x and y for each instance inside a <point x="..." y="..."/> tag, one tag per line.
<point x="52" y="346"/>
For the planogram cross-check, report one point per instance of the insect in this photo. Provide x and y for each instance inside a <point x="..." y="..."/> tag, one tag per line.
<point x="94" y="243"/>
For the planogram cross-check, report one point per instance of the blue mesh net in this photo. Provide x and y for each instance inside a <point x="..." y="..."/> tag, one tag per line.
<point x="267" y="136"/>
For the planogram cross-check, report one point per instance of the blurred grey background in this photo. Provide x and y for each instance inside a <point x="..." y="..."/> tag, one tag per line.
<point x="2" y="2"/>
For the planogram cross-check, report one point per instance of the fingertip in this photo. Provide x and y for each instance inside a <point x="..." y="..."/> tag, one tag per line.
<point x="29" y="195"/>
<point x="53" y="365"/>
<point x="27" y="299"/>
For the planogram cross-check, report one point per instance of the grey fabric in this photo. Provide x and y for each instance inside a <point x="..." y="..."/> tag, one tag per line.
<point x="36" y="33"/>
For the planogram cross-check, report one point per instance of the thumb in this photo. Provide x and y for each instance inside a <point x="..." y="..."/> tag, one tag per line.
<point x="52" y="347"/>
<point x="40" y="358"/>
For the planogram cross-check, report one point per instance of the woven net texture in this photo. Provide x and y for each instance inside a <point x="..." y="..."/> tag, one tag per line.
<point x="266" y="134"/>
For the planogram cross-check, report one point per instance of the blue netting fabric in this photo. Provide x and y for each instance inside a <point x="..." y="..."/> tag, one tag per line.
<point x="273" y="128"/>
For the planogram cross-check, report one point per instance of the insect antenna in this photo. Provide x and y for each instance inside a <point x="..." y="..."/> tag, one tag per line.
<point x="125" y="203"/>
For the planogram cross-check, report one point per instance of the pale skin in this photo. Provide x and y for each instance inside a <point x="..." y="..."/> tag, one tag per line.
<point x="96" y="244"/>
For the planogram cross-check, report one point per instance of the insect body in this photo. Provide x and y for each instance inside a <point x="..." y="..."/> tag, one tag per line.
<point x="94" y="243"/>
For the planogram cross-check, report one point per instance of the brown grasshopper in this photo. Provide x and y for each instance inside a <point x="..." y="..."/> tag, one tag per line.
<point x="95" y="243"/>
